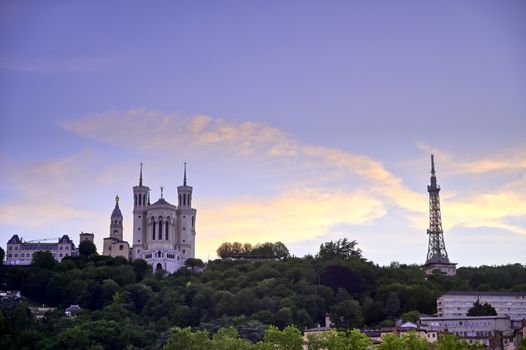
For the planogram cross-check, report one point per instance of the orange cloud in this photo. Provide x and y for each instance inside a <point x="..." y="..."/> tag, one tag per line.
<point x="295" y="215"/>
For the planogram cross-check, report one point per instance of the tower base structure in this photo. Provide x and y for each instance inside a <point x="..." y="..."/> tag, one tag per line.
<point x="447" y="268"/>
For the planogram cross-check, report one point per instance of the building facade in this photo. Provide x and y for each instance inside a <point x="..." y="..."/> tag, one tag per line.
<point x="163" y="233"/>
<point x="114" y="245"/>
<point x="86" y="236"/>
<point x="21" y="253"/>
<point x="457" y="304"/>
<point x="474" y="329"/>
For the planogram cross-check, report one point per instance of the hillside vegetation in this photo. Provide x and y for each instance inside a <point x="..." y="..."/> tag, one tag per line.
<point x="126" y="306"/>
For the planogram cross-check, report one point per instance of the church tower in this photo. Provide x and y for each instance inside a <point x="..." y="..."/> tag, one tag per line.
<point x="116" y="221"/>
<point x="141" y="200"/>
<point x="186" y="220"/>
<point x="437" y="258"/>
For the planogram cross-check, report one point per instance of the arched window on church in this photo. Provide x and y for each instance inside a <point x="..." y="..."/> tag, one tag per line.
<point x="193" y="221"/>
<point x="184" y="199"/>
<point x="135" y="196"/>
<point x="153" y="229"/>
<point x="140" y="200"/>
<point x="167" y="227"/>
<point x="144" y="199"/>
<point x="189" y="200"/>
<point x="180" y="201"/>
<point x="160" y="227"/>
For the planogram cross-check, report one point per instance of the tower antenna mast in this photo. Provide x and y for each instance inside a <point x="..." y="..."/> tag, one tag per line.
<point x="437" y="258"/>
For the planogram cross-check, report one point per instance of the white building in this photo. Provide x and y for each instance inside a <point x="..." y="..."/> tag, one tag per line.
<point x="475" y="329"/>
<point x="457" y="304"/>
<point x="163" y="233"/>
<point x="21" y="253"/>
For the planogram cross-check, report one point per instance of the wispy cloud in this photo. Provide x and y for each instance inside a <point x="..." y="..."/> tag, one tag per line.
<point x="319" y="187"/>
<point x="315" y="165"/>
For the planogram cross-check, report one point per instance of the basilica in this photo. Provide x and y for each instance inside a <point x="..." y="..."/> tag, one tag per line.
<point x="163" y="233"/>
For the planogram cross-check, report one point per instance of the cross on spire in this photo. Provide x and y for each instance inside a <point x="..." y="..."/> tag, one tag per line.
<point x="162" y="187"/>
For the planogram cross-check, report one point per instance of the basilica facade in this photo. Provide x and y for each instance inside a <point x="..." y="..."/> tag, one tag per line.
<point x="163" y="233"/>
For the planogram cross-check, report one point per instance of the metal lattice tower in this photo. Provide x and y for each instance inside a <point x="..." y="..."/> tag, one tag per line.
<point x="436" y="251"/>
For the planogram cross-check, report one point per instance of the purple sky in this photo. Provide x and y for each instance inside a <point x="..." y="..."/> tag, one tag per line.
<point x="301" y="121"/>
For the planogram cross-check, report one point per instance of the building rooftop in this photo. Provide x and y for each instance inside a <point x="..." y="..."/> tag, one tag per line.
<point x="494" y="293"/>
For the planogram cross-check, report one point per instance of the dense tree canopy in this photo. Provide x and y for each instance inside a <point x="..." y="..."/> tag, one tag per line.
<point x="2" y="255"/>
<point x="265" y="250"/>
<point x="86" y="248"/>
<point x="125" y="305"/>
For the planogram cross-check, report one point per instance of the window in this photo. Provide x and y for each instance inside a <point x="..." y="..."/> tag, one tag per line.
<point x="109" y="248"/>
<point x="193" y="221"/>
<point x="153" y="232"/>
<point x="160" y="228"/>
<point x="140" y="200"/>
<point x="183" y="251"/>
<point x="66" y="247"/>
<point x="121" y="247"/>
<point x="135" y="197"/>
<point x="166" y="231"/>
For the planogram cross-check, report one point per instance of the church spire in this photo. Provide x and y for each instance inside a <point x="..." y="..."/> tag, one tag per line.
<point x="140" y="177"/>
<point x="184" y="179"/>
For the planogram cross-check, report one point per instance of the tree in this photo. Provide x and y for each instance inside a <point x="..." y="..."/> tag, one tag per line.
<point x="479" y="309"/>
<point x="225" y="250"/>
<point x="411" y="316"/>
<point x="193" y="263"/>
<point x="288" y="339"/>
<point x="184" y="338"/>
<point x="342" y="248"/>
<point x="280" y="251"/>
<point x="392" y="307"/>
<point x="347" y="314"/>
<point x="451" y="342"/>
<point x="333" y="340"/>
<point x="86" y="248"/>
<point x="141" y="269"/>
<point x="2" y="255"/>
<point x="44" y="260"/>
<point x="409" y="342"/>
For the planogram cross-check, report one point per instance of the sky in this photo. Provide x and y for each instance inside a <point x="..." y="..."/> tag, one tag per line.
<point x="300" y="121"/>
